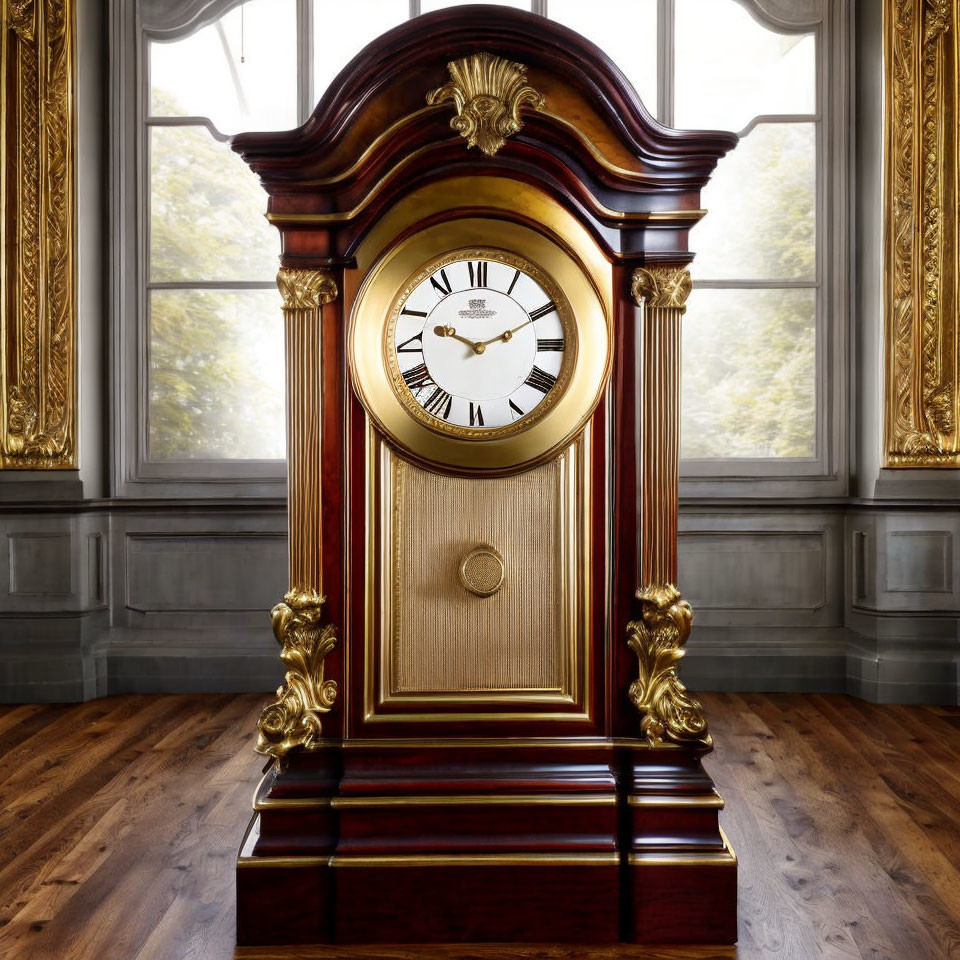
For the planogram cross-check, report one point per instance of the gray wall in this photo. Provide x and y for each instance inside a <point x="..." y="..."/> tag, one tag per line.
<point x="118" y="596"/>
<point x="855" y="593"/>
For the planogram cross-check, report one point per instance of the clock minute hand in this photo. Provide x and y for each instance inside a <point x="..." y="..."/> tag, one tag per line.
<point x="507" y="334"/>
<point x="442" y="331"/>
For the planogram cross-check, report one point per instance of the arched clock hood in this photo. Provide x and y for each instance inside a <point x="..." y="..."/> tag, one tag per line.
<point x="383" y="128"/>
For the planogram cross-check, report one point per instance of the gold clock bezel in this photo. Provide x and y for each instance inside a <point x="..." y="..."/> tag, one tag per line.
<point x="535" y="272"/>
<point x="374" y="383"/>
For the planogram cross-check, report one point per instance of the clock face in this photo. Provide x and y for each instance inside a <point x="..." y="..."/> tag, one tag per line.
<point x="480" y="343"/>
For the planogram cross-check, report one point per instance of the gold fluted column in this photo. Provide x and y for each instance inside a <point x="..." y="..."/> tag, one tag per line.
<point x="293" y="718"/>
<point x="38" y="286"/>
<point x="659" y="632"/>
<point x="922" y="214"/>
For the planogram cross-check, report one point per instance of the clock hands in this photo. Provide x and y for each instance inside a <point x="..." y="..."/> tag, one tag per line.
<point x="442" y="331"/>
<point x="478" y="346"/>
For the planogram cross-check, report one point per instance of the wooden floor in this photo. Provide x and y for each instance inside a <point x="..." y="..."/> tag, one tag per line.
<point x="120" y="820"/>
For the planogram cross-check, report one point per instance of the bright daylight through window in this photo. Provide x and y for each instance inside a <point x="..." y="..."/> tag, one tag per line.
<point x="215" y="347"/>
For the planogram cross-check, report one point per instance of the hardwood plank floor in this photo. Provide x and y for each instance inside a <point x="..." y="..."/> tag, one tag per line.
<point x="120" y="820"/>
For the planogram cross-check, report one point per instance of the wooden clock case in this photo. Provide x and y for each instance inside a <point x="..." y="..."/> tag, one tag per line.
<point x="590" y="822"/>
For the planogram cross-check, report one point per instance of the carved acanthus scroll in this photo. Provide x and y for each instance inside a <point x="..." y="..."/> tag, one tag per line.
<point x="38" y="312"/>
<point x="487" y="92"/>
<point x="657" y="638"/>
<point x="921" y="234"/>
<point x="292" y="720"/>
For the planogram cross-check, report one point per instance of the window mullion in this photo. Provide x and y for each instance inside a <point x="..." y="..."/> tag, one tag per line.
<point x="305" y="97"/>
<point x="666" y="59"/>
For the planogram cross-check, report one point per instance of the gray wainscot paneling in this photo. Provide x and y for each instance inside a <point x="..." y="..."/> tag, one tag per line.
<point x="53" y="609"/>
<point x="904" y="604"/>
<point x="103" y="600"/>
<point x="191" y="596"/>
<point x="767" y="595"/>
<point x="115" y="597"/>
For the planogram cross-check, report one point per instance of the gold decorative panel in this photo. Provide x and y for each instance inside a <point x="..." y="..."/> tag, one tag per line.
<point x="37" y="235"/>
<point x="482" y="585"/>
<point x="921" y="202"/>
<point x="445" y="638"/>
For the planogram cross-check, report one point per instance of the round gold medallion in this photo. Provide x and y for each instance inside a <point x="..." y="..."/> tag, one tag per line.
<point x="482" y="571"/>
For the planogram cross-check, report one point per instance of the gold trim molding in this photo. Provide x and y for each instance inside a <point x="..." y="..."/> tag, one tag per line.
<point x="38" y="284"/>
<point x="292" y="720"/>
<point x="487" y="92"/>
<point x="661" y="286"/>
<point x="657" y="639"/>
<point x="921" y="211"/>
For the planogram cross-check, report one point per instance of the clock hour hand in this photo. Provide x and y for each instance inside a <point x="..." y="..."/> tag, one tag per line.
<point x="442" y="331"/>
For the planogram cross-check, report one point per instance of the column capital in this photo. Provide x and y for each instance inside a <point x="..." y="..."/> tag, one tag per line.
<point x="306" y="288"/>
<point x="661" y="285"/>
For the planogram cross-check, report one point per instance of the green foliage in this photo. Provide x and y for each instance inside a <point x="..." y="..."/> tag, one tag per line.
<point x="216" y="375"/>
<point x="216" y="380"/>
<point x="749" y="363"/>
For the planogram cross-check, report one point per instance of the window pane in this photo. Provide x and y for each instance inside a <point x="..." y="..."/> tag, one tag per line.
<point x="240" y="72"/>
<point x="761" y="202"/>
<point x="206" y="211"/>
<point x="216" y="375"/>
<point x="730" y="68"/>
<point x="340" y="32"/>
<point x="625" y="30"/>
<point x="749" y="374"/>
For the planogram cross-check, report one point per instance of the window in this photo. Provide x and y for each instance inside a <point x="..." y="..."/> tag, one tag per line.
<point x="763" y="333"/>
<point x="198" y="266"/>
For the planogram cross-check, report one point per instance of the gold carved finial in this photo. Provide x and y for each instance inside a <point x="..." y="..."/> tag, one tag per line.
<point x="292" y="719"/>
<point x="305" y="288"/>
<point x="661" y="286"/>
<point x="657" y="638"/>
<point x="487" y="92"/>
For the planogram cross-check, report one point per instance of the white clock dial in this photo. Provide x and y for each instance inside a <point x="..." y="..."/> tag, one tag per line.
<point x="479" y="343"/>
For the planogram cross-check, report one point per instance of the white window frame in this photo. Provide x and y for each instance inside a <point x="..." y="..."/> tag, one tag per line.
<point x="825" y="474"/>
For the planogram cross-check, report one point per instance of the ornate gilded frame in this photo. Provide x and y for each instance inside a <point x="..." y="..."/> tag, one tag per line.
<point x="38" y="279"/>
<point x="921" y="212"/>
<point x="570" y="267"/>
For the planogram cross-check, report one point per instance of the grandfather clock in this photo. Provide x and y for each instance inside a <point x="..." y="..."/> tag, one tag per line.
<point x="482" y="735"/>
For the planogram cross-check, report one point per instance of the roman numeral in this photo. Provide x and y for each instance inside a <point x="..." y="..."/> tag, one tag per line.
<point x="513" y="283"/>
<point x="476" y="416"/>
<point x="540" y="380"/>
<point x="417" y="377"/>
<point x="407" y="312"/>
<point x="439" y="401"/>
<point x="516" y="409"/>
<point x="478" y="276"/>
<point x="548" y="307"/>
<point x="442" y="286"/>
<point x="413" y="345"/>
<point x="553" y="346"/>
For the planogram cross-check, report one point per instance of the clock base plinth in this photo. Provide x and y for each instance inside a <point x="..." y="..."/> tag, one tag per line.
<point x="578" y="842"/>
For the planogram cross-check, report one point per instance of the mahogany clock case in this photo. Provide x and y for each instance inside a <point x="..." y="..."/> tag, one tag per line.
<point x="500" y="820"/>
